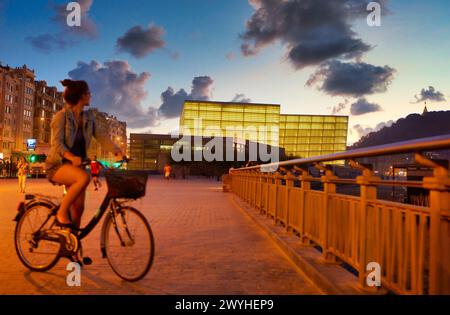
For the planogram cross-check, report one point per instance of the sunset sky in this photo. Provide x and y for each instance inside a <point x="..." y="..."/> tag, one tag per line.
<point x="143" y="58"/>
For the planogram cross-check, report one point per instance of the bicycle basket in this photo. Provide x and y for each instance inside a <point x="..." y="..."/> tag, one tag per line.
<point x="126" y="184"/>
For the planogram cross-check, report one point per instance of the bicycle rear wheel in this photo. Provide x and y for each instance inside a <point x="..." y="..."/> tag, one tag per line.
<point x="129" y="245"/>
<point x="35" y="253"/>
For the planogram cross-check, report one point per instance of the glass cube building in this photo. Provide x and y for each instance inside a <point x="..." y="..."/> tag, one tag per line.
<point x="307" y="136"/>
<point x="254" y="122"/>
<point x="300" y="135"/>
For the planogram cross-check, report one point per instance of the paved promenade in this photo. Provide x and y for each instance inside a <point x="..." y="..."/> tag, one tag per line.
<point x="204" y="245"/>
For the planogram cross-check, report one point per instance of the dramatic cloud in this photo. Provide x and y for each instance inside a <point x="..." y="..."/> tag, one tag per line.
<point x="313" y="31"/>
<point x="362" y="106"/>
<point x="140" y="42"/>
<point x="430" y="95"/>
<point x="118" y="90"/>
<point x="351" y="79"/>
<point x="173" y="102"/>
<point x="241" y="98"/>
<point x="201" y="88"/>
<point x="68" y="36"/>
<point x="365" y="130"/>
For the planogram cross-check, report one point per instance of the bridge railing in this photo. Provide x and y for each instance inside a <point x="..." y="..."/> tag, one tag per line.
<point x="410" y="243"/>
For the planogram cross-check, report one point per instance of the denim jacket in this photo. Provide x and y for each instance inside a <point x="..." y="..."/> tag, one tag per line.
<point x="64" y="127"/>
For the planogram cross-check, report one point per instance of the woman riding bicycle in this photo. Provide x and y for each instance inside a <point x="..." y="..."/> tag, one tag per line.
<point x="72" y="132"/>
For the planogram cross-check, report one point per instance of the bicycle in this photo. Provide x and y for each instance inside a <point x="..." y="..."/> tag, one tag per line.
<point x="40" y="244"/>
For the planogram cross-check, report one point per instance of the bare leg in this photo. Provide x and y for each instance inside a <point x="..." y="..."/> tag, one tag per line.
<point x="77" y="180"/>
<point x="77" y="209"/>
<point x="24" y="182"/>
<point x="96" y="182"/>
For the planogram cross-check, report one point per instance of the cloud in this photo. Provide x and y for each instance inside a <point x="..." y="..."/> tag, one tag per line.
<point x="365" y="130"/>
<point x="313" y="31"/>
<point x="351" y="79"/>
<point x="139" y="41"/>
<point x="339" y="108"/>
<point x="362" y="106"/>
<point x="430" y="95"/>
<point x="173" y="102"/>
<point x="67" y="36"/>
<point x="230" y="56"/>
<point x="175" y="55"/>
<point x="241" y="98"/>
<point x="87" y="27"/>
<point x="117" y="89"/>
<point x="49" y="42"/>
<point x="201" y="88"/>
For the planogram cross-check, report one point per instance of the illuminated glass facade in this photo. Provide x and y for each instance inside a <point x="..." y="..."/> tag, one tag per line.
<point x="307" y="136"/>
<point x="254" y="122"/>
<point x="299" y="135"/>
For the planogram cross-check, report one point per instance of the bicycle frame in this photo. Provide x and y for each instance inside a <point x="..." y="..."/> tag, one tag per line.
<point x="82" y="233"/>
<point x="108" y="202"/>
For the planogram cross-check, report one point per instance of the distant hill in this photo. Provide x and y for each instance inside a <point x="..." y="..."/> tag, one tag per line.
<point x="413" y="126"/>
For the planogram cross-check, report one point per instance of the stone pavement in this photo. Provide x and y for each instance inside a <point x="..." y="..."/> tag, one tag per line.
<point x="204" y="245"/>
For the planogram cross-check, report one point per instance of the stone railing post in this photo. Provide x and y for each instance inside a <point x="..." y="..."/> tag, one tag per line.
<point x="278" y="177"/>
<point x="305" y="188"/>
<point x="289" y="178"/>
<point x="264" y="192"/>
<point x="329" y="187"/>
<point x="439" y="186"/>
<point x="367" y="243"/>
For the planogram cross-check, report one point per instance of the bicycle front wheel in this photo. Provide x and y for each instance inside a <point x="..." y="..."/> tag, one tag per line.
<point x="129" y="244"/>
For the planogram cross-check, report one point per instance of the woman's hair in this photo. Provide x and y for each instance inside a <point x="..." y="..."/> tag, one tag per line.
<point x="74" y="90"/>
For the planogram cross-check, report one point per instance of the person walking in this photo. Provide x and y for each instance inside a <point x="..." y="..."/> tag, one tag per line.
<point x="14" y="168"/>
<point x="22" y="173"/>
<point x="167" y="171"/>
<point x="96" y="167"/>
<point x="8" y="168"/>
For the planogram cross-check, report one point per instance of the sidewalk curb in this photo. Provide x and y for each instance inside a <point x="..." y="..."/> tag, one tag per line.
<point x="305" y="258"/>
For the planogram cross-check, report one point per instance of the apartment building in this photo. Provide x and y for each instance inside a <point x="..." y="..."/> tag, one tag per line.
<point x="27" y="107"/>
<point x="48" y="101"/>
<point x="16" y="108"/>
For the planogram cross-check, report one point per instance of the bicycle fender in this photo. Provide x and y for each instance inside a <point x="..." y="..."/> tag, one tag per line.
<point x="20" y="211"/>
<point x="24" y="206"/>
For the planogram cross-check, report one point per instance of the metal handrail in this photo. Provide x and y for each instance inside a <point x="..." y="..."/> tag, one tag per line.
<point x="416" y="145"/>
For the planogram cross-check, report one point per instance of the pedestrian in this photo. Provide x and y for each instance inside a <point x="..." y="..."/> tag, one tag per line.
<point x="167" y="171"/>
<point x="8" y="168"/>
<point x="96" y="166"/>
<point x="14" y="168"/>
<point x="22" y="173"/>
